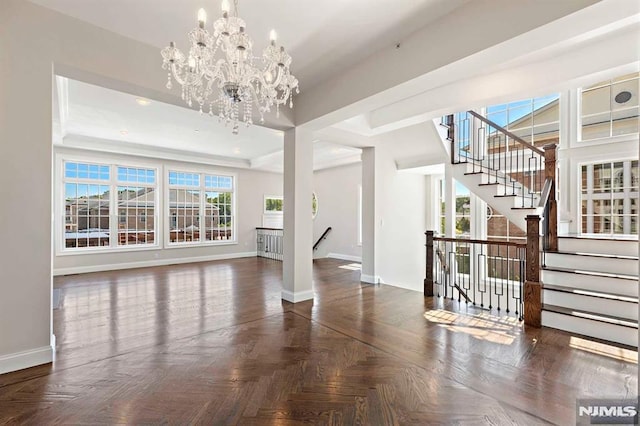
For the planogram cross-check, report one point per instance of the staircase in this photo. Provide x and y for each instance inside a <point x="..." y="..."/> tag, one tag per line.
<point x="591" y="288"/>
<point x="589" y="285"/>
<point x="501" y="168"/>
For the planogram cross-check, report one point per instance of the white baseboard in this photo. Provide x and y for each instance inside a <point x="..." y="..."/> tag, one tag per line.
<point x="347" y="257"/>
<point x="403" y="286"/>
<point x="299" y="296"/>
<point x="149" y="263"/>
<point x="371" y="279"/>
<point x="26" y="359"/>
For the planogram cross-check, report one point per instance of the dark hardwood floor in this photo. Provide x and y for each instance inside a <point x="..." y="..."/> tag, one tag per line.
<point x="213" y="343"/>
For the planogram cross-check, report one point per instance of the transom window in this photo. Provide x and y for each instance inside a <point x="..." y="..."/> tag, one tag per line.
<point x="610" y="108"/>
<point x="200" y="208"/>
<point x="610" y="198"/>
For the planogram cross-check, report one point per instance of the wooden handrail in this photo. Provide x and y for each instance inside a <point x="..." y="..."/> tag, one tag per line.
<point x="508" y="133"/>
<point x="268" y="229"/>
<point x="467" y="240"/>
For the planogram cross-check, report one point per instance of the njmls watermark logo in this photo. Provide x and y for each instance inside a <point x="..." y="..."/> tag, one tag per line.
<point x="607" y="412"/>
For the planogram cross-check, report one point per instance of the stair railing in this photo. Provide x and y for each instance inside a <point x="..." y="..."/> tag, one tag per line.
<point x="504" y="157"/>
<point x="486" y="274"/>
<point x="523" y="171"/>
<point x="322" y="237"/>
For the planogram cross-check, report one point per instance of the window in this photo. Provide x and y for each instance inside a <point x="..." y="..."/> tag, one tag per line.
<point x="536" y="120"/>
<point x="136" y="193"/>
<point x="90" y="195"/>
<point x="610" y="198"/>
<point x="610" y="108"/>
<point x="200" y="208"/>
<point x="441" y="207"/>
<point x="463" y="211"/>
<point x="86" y="205"/>
<point x="499" y="228"/>
<point x="273" y="205"/>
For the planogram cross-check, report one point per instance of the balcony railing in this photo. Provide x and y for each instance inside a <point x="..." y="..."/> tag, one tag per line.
<point x="269" y="243"/>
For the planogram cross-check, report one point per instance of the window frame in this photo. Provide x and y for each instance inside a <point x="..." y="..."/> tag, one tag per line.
<point x="60" y="216"/>
<point x="605" y="139"/>
<point x="202" y="171"/>
<point x="581" y="198"/>
<point x="272" y="197"/>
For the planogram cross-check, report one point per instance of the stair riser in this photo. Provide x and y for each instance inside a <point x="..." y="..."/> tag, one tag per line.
<point x="589" y="263"/>
<point x="597" y="329"/>
<point x="596" y="305"/>
<point x="583" y="245"/>
<point x="591" y="283"/>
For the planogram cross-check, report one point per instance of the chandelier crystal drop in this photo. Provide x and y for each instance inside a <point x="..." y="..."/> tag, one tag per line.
<point x="220" y="71"/>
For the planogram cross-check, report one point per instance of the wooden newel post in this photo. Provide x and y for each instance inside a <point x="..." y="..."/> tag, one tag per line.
<point x="552" y="217"/>
<point x="532" y="284"/>
<point x="428" y="280"/>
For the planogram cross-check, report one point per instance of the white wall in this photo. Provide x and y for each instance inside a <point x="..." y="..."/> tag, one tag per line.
<point x="402" y="205"/>
<point x="251" y="187"/>
<point x="338" y="207"/>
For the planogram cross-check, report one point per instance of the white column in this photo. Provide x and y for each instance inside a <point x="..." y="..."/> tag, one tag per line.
<point x="369" y="272"/>
<point x="298" y="222"/>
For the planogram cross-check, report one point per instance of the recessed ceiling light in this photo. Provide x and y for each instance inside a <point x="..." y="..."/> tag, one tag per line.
<point x="196" y="130"/>
<point x="143" y="101"/>
<point x="124" y="132"/>
<point x="237" y="151"/>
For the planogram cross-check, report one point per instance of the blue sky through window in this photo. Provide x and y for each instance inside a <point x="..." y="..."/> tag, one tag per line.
<point x="503" y="114"/>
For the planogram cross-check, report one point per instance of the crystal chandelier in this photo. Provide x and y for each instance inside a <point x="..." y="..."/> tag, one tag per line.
<point x="221" y="71"/>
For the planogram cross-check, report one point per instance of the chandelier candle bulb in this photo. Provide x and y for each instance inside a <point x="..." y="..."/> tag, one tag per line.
<point x="202" y="18"/>
<point x="273" y="36"/>
<point x="226" y="7"/>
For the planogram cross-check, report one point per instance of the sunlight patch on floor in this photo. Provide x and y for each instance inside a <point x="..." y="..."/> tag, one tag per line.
<point x="484" y="326"/>
<point x="604" y="349"/>
<point x="351" y="266"/>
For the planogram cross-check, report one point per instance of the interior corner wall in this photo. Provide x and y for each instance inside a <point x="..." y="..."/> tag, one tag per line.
<point x="402" y="205"/>
<point x="338" y="190"/>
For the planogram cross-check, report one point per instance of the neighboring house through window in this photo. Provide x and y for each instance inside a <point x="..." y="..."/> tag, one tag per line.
<point x="610" y="198"/>
<point x="200" y="208"/>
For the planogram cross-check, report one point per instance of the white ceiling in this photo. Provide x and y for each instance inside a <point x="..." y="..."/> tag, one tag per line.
<point x="323" y="37"/>
<point x="104" y="113"/>
<point x="87" y="114"/>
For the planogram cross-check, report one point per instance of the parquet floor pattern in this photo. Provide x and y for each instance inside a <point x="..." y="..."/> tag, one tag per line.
<point x="213" y="344"/>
